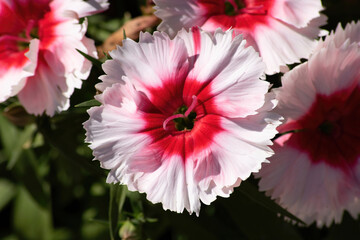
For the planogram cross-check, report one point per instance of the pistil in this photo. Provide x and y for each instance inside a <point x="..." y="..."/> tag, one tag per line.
<point x="185" y="115"/>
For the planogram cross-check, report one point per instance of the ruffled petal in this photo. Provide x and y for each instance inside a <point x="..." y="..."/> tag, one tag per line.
<point x="156" y="63"/>
<point x="120" y="140"/>
<point x="218" y="75"/>
<point x="315" y="171"/>
<point x="280" y="43"/>
<point x="283" y="31"/>
<point x="297" y="13"/>
<point x="350" y="34"/>
<point x="311" y="192"/>
<point x="179" y="14"/>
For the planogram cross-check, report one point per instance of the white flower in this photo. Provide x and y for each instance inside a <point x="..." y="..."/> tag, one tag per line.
<point x="183" y="120"/>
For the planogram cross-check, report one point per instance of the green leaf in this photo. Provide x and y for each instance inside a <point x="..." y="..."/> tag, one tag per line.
<point x="15" y="140"/>
<point x="90" y="103"/>
<point x="117" y="199"/>
<point x="253" y="193"/>
<point x="26" y="172"/>
<point x="8" y="134"/>
<point x="124" y="34"/>
<point x="7" y="192"/>
<point x="96" y="62"/>
<point x="136" y="203"/>
<point x="30" y="220"/>
<point x="23" y="141"/>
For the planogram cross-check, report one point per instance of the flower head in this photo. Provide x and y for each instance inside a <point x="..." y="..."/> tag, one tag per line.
<point x="182" y="120"/>
<point x="315" y="171"/>
<point x="283" y="31"/>
<point x="38" y="57"/>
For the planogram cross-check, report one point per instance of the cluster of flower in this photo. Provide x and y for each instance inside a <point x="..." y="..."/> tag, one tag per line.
<point x="186" y="113"/>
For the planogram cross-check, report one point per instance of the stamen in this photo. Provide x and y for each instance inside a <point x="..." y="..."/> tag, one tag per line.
<point x="29" y="27"/>
<point x="185" y="115"/>
<point x="192" y="106"/>
<point x="171" y="118"/>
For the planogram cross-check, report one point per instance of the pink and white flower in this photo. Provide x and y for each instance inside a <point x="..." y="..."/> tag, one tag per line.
<point x="183" y="120"/>
<point x="283" y="31"/>
<point x="38" y="57"/>
<point x="315" y="171"/>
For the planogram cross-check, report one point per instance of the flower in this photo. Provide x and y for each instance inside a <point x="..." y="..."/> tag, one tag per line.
<point x="283" y="31"/>
<point x="182" y="120"/>
<point x="38" y="57"/>
<point x="315" y="171"/>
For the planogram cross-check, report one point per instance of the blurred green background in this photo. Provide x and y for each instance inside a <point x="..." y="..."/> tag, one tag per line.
<point x="50" y="188"/>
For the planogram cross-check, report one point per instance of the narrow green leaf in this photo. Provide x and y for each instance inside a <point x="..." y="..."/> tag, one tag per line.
<point x="117" y="199"/>
<point x="96" y="62"/>
<point x="124" y="34"/>
<point x="7" y="192"/>
<point x="253" y="193"/>
<point x="90" y="103"/>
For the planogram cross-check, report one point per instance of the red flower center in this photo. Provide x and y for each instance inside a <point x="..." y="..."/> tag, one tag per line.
<point x="242" y="15"/>
<point x="234" y="7"/>
<point x="330" y="131"/>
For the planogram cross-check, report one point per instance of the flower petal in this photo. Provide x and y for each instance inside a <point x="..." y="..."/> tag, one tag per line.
<point x="297" y="13"/>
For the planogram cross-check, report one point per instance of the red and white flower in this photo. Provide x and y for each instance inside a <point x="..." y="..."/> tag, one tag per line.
<point x="183" y="120"/>
<point x="315" y="171"/>
<point x="283" y="31"/>
<point x="38" y="57"/>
